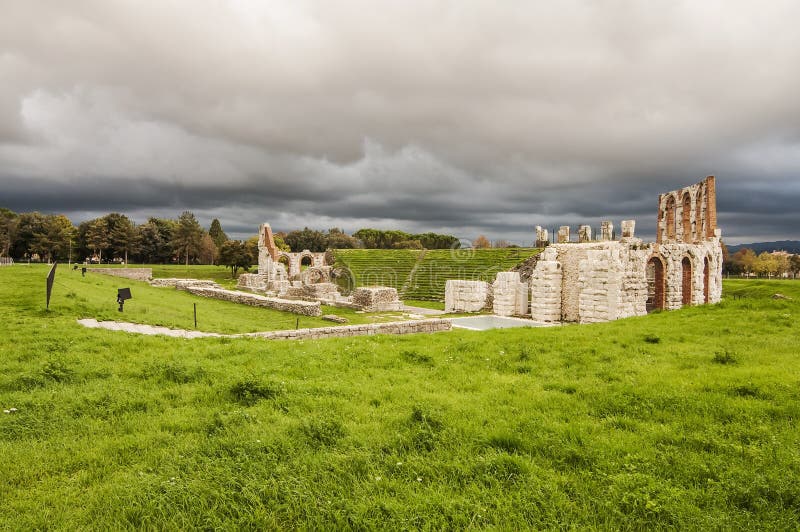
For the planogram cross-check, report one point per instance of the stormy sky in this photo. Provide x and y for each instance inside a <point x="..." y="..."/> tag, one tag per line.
<point x="453" y="116"/>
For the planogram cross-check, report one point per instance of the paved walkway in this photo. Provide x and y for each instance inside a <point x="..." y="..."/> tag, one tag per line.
<point x="422" y="310"/>
<point x="138" y="328"/>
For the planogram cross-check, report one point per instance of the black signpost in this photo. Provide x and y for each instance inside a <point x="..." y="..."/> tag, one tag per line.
<point x="123" y="294"/>
<point x="50" y="278"/>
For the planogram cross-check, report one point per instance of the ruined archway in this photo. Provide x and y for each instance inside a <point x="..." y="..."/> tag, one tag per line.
<point x="686" y="218"/>
<point x="655" y="284"/>
<point x="686" y="281"/>
<point x="284" y="259"/>
<point x="706" y="279"/>
<point x="306" y="261"/>
<point x="671" y="222"/>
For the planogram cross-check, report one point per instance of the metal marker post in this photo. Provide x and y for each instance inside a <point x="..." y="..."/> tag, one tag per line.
<point x="195" y="315"/>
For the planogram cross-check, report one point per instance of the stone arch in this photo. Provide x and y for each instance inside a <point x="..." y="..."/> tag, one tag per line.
<point x="686" y="218"/>
<point x="671" y="221"/>
<point x="706" y="280"/>
<point x="686" y="281"/>
<point x="656" y="284"/>
<point x="285" y="259"/>
<point x="305" y="258"/>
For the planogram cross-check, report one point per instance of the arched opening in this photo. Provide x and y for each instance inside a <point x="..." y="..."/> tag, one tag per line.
<point x="686" y="284"/>
<point x="706" y="279"/>
<point x="284" y="259"/>
<point x="655" y="284"/>
<point x="686" y="218"/>
<point x="699" y="226"/>
<point x="670" y="218"/>
<point x="306" y="261"/>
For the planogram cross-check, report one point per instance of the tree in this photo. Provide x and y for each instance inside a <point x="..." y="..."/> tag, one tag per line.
<point x="188" y="234"/>
<point x="309" y="239"/>
<point x="27" y="226"/>
<point x="121" y="234"/>
<point x="234" y="254"/>
<point x="745" y="258"/>
<point x="154" y="241"/>
<point x="53" y="239"/>
<point x="338" y="239"/>
<point x="208" y="250"/>
<point x="217" y="234"/>
<point x="481" y="242"/>
<point x="502" y="244"/>
<point x="280" y="243"/>
<point x="97" y="236"/>
<point x="8" y="230"/>
<point x="794" y="265"/>
<point x="408" y="244"/>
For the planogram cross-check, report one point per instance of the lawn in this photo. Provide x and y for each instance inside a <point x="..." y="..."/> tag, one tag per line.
<point x="683" y="419"/>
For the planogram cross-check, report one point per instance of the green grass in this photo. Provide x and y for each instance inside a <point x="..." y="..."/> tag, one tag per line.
<point x="678" y="420"/>
<point x="94" y="296"/>
<point x="421" y="275"/>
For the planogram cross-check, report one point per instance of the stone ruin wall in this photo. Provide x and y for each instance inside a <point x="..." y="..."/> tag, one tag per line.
<point x="606" y="280"/>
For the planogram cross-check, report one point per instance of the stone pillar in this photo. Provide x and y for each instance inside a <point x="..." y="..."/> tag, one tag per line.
<point x="606" y="230"/>
<point x="563" y="234"/>
<point x="542" y="238"/>
<point x="628" y="227"/>
<point x="584" y="233"/>
<point x="546" y="287"/>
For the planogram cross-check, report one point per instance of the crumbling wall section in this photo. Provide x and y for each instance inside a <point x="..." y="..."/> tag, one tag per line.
<point x="466" y="296"/>
<point x="304" y="308"/>
<point x="136" y="274"/>
<point x="377" y="298"/>
<point x="510" y="295"/>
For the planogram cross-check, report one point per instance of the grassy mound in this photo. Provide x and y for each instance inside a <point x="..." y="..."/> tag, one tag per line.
<point x="421" y="275"/>
<point x="680" y="420"/>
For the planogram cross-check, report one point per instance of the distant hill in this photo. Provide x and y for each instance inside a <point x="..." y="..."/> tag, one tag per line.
<point x="792" y="246"/>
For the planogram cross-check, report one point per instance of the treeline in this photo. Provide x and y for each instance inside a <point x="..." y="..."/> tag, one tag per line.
<point x="769" y="264"/>
<point x="115" y="237"/>
<point x="49" y="237"/>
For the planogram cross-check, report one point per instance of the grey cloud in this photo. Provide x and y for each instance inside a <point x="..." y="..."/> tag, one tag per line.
<point x="464" y="116"/>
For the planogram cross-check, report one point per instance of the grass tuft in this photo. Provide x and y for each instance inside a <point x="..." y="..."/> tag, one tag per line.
<point x="725" y="358"/>
<point x="250" y="391"/>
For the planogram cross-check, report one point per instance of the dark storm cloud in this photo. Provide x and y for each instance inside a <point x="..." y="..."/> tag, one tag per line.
<point x="465" y="117"/>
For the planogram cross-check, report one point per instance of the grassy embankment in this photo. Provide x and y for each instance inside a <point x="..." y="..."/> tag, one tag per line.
<point x="684" y="419"/>
<point x="421" y="275"/>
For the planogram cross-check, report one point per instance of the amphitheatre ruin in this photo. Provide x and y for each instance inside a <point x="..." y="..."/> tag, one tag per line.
<point x="581" y="281"/>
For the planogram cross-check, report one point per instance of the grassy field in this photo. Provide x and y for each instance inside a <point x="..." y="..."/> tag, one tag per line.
<point x="684" y="419"/>
<point x="94" y="296"/>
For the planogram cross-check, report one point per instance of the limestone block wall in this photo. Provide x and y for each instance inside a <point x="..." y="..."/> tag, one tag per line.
<point x="613" y="282"/>
<point x="546" y="280"/>
<point x="508" y="294"/>
<point x="673" y="254"/>
<point x="466" y="296"/>
<point x="136" y="274"/>
<point x="304" y="308"/>
<point x="399" y="327"/>
<point x="377" y="298"/>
